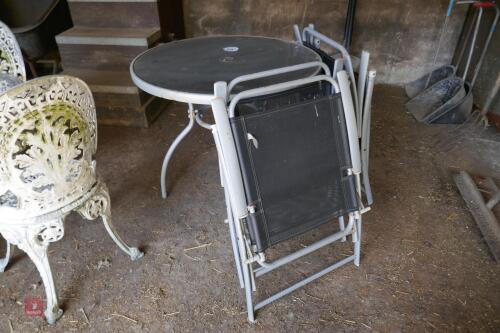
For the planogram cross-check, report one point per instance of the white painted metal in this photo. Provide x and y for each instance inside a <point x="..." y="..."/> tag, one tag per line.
<point x="279" y="87"/>
<point x="48" y="136"/>
<point x="179" y="96"/>
<point x="229" y="162"/>
<point x="350" y="120"/>
<point x="365" y="138"/>
<point x="337" y="67"/>
<point x="342" y="227"/>
<point x="171" y="150"/>
<point x="12" y="70"/>
<point x="296" y="33"/>
<point x="276" y="71"/>
<point x="363" y="71"/>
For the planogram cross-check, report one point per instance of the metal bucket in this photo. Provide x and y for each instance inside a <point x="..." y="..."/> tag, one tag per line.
<point x="416" y="87"/>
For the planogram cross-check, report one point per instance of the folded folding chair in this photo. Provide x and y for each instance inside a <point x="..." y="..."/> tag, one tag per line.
<point x="362" y="91"/>
<point x="290" y="162"/>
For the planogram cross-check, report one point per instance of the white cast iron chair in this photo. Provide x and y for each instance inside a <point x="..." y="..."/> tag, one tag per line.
<point x="12" y="71"/>
<point x="48" y="136"/>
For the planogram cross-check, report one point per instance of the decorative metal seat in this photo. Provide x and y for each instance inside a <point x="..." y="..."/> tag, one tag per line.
<point x="48" y="136"/>
<point x="12" y="71"/>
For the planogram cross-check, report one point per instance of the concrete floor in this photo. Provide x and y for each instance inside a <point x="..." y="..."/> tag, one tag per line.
<point x="424" y="268"/>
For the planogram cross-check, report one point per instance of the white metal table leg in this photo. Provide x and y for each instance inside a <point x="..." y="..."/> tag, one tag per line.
<point x="171" y="149"/>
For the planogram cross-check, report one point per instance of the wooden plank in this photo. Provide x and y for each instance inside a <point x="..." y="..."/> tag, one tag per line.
<point x="105" y="78"/>
<point x="112" y="1"/>
<point x="98" y="57"/>
<point x="487" y="222"/>
<point x="144" y="37"/>
<point x="107" y="99"/>
<point x="130" y="117"/>
<point x="115" y="14"/>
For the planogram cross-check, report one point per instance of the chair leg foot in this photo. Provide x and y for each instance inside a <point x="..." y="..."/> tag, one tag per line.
<point x="53" y="314"/>
<point x="133" y="252"/>
<point x="99" y="205"/>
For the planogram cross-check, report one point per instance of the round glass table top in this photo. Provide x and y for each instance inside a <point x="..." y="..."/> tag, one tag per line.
<point x="186" y="70"/>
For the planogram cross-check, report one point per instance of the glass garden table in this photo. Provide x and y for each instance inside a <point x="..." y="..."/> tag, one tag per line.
<point x="186" y="70"/>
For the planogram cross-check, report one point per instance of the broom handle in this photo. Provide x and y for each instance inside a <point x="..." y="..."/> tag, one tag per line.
<point x="443" y="29"/>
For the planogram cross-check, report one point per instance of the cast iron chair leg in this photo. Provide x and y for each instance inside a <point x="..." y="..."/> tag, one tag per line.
<point x="99" y="205"/>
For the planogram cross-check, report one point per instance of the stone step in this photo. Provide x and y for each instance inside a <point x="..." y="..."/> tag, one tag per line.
<point x="111" y="89"/>
<point x="117" y="14"/>
<point x="130" y="116"/>
<point x="140" y="37"/>
<point x="108" y="49"/>
<point x="118" y="101"/>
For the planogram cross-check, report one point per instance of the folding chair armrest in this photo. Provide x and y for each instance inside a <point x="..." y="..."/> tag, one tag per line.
<point x="277" y="88"/>
<point x="276" y="71"/>
<point x="350" y="118"/>
<point x="229" y="158"/>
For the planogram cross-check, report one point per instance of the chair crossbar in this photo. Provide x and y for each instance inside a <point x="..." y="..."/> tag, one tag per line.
<point x="304" y="282"/>
<point x="268" y="267"/>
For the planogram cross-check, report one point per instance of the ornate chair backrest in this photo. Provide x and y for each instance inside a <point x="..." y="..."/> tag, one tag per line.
<point x="48" y="135"/>
<point x="11" y="58"/>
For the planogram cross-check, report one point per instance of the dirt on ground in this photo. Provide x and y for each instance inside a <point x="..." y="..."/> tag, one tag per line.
<point x="424" y="268"/>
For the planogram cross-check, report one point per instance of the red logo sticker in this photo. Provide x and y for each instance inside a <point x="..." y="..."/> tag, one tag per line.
<point x="33" y="306"/>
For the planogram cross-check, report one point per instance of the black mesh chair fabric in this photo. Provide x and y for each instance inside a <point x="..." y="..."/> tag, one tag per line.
<point x="325" y="57"/>
<point x="296" y="176"/>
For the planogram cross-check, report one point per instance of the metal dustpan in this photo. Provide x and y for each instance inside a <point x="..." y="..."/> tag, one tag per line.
<point x="436" y="99"/>
<point x="416" y="87"/>
<point x="453" y="113"/>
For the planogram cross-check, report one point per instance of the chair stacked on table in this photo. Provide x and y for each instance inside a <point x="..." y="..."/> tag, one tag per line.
<point x="290" y="162"/>
<point x="106" y="36"/>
